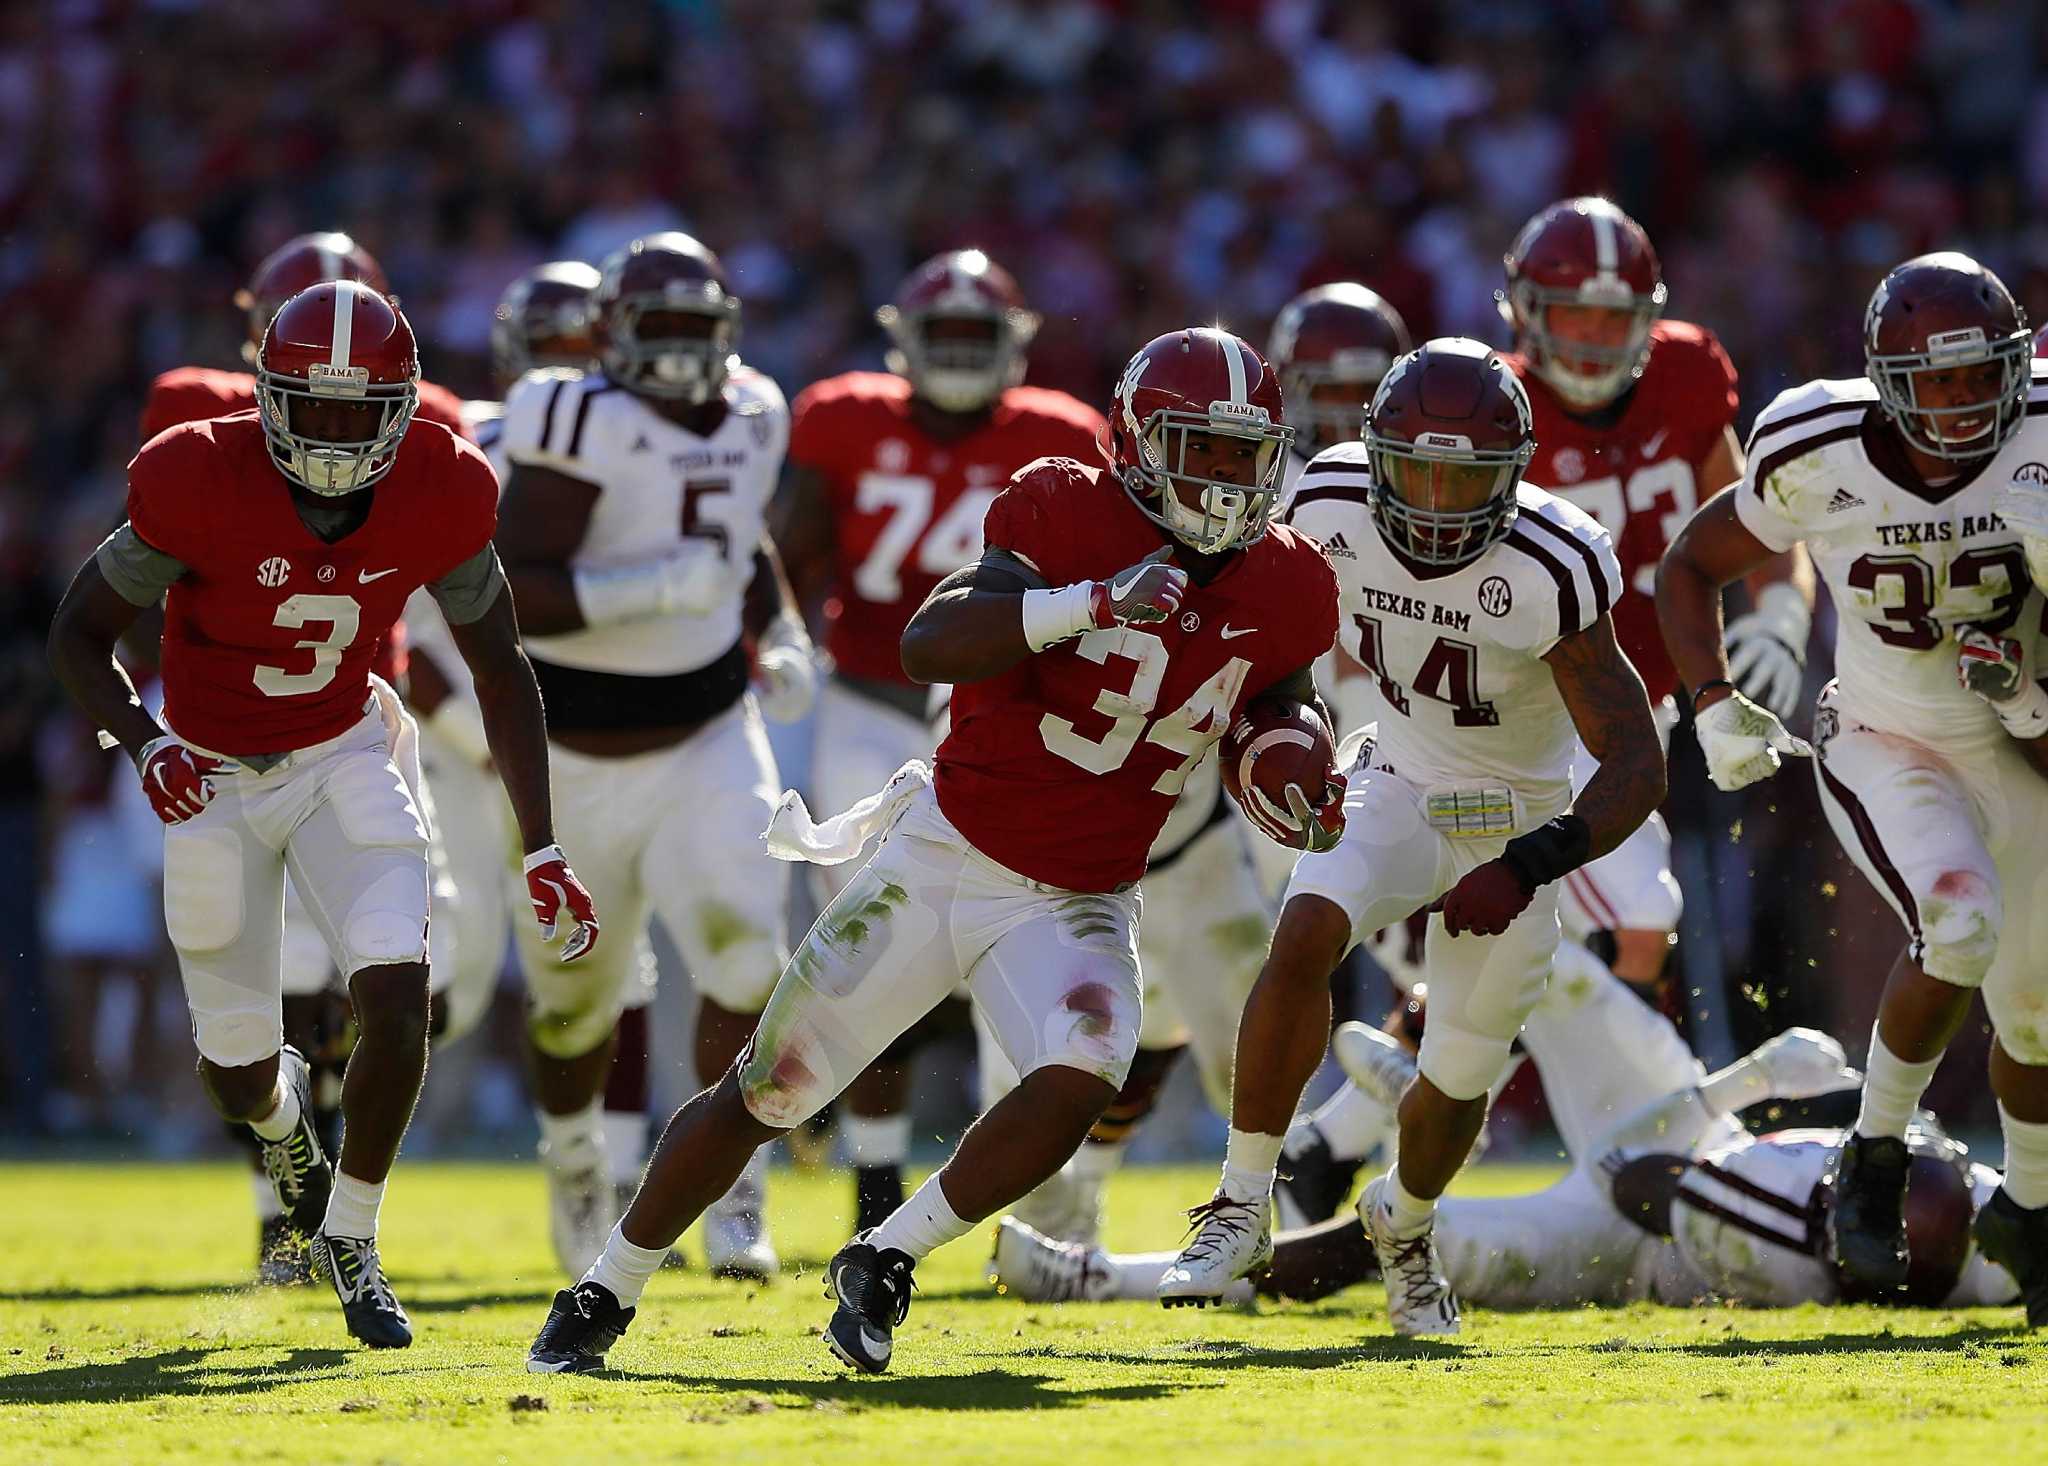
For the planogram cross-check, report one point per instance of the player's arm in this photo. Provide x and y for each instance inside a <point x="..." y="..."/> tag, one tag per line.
<point x="1766" y="646"/>
<point x="541" y="523"/>
<point x="89" y="623"/>
<point x="982" y="620"/>
<point x="785" y="663"/>
<point x="800" y="523"/>
<point x="1300" y="687"/>
<point x="1611" y="712"/>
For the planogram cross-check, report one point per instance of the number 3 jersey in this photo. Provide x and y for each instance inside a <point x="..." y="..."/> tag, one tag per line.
<point x="269" y="630"/>
<point x="1455" y="657"/>
<point x="1064" y="768"/>
<point x="1905" y="564"/>
<point x="907" y="507"/>
<point x="662" y="490"/>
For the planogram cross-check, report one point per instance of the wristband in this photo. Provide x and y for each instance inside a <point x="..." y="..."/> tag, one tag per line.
<point x="2025" y="715"/>
<point x="1052" y="616"/>
<point x="1706" y="687"/>
<point x="541" y="857"/>
<point x="1549" y="851"/>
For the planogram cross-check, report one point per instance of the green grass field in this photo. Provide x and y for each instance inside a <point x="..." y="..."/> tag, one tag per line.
<point x="125" y="1335"/>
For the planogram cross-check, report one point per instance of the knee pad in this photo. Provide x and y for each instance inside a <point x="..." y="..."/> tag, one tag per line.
<point x="233" y="1038"/>
<point x="1461" y="1063"/>
<point x="2020" y="1019"/>
<point x="783" y="1086"/>
<point x="563" y="1032"/>
<point x="1960" y="921"/>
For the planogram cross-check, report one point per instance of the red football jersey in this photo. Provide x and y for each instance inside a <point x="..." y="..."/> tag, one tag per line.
<point x="907" y="508"/>
<point x="268" y="636"/>
<point x="1639" y="474"/>
<point x="1065" y="767"/>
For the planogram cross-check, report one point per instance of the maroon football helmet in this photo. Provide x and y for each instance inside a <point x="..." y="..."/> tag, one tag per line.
<point x="1201" y="381"/>
<point x="1448" y="434"/>
<point x="642" y="292"/>
<point x="295" y="265"/>
<point x="1583" y="252"/>
<point x="1334" y="336"/>
<point x="1946" y="313"/>
<point x="543" y="320"/>
<point x="958" y="368"/>
<point x="337" y="345"/>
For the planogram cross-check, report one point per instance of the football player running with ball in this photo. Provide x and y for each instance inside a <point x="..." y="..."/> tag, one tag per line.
<point x="1480" y="607"/>
<point x="287" y="540"/>
<point x="1119" y="618"/>
<point x="1917" y="488"/>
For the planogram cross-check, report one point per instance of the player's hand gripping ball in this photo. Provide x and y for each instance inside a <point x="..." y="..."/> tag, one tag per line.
<point x="1280" y="765"/>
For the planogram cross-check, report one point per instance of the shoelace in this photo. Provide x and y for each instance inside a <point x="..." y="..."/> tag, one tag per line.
<point x="1215" y="1224"/>
<point x="1411" y="1262"/>
<point x="884" y="1278"/>
<point x="286" y="1162"/>
<point x="369" y="1281"/>
<point x="1077" y="1269"/>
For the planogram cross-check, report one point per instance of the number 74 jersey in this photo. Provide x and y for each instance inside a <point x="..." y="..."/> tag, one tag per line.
<point x="1906" y="565"/>
<point x="1464" y="697"/>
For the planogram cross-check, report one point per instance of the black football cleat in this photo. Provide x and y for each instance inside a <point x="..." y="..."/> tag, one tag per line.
<point x="1312" y="1185"/>
<point x="280" y="1254"/>
<point x="368" y="1305"/>
<point x="872" y="1286"/>
<point x="582" y="1326"/>
<point x="2016" y="1238"/>
<point x="297" y="1165"/>
<point x="1866" y="1230"/>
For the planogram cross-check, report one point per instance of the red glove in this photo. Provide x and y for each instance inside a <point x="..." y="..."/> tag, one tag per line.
<point x="555" y="890"/>
<point x="1488" y="898"/>
<point x="175" y="778"/>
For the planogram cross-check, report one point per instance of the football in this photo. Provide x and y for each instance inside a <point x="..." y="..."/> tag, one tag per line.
<point x="1271" y="745"/>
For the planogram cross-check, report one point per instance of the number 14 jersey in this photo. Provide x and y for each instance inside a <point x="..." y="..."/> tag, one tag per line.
<point x="1906" y="564"/>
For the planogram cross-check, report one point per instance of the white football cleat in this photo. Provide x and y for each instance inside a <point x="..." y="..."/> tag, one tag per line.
<point x="1029" y="1265"/>
<point x="1231" y="1239"/>
<point x="1419" y="1297"/>
<point x="736" y="1243"/>
<point x="581" y="1202"/>
<point x="1376" y="1062"/>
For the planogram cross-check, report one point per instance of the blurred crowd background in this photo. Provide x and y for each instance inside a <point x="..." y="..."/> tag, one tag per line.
<point x="1139" y="164"/>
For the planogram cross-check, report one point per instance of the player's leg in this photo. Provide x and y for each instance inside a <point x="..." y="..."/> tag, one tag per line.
<point x="1627" y="901"/>
<point x="1390" y="863"/>
<point x="724" y="900"/>
<point x="472" y="832"/>
<point x="1908" y="819"/>
<point x="626" y="1096"/>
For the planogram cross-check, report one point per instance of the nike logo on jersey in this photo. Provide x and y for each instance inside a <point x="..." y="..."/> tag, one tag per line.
<point x="1655" y="441"/>
<point x="1843" y="500"/>
<point x="364" y="577"/>
<point x="1229" y="632"/>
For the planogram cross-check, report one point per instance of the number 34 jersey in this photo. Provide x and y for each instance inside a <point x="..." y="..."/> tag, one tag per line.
<point x="1064" y="768"/>
<point x="662" y="490"/>
<point x="1905" y="564"/>
<point x="1456" y="658"/>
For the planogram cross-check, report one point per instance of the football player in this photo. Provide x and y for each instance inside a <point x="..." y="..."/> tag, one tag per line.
<point x="889" y="476"/>
<point x="316" y="1018"/>
<point x="1119" y="618"/>
<point x="287" y="540"/>
<point x="1912" y="486"/>
<point x="1480" y="606"/>
<point x="1331" y="346"/>
<point x="633" y="531"/>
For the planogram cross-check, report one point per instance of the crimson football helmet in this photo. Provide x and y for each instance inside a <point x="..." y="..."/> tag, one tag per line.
<point x="1583" y="252"/>
<point x="958" y="371"/>
<point x="1943" y="312"/>
<point x="1201" y="381"/>
<point x="543" y="320"/>
<point x="293" y="266"/>
<point x="667" y="274"/>
<point x="1334" y="335"/>
<point x="338" y="343"/>
<point x="1449" y="434"/>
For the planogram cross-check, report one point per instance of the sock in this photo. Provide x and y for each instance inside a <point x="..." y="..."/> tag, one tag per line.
<point x="1891" y="1090"/>
<point x="266" y="1197"/>
<point x="923" y="1223"/>
<point x="1351" y="1121"/>
<point x="352" y="1209"/>
<point x="284" y="1114"/>
<point x="1095" y="1162"/>
<point x="1407" y="1212"/>
<point x="1249" y="1160"/>
<point x="1744" y="1083"/>
<point x="2026" y="1159"/>
<point x="876" y="1140"/>
<point x="625" y="1145"/>
<point x="624" y="1268"/>
<point x="561" y="1136"/>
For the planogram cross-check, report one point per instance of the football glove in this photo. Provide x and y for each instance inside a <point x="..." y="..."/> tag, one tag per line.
<point x="1767" y="649"/>
<point x="177" y="780"/>
<point x="1804" y="1063"/>
<point x="1994" y="668"/>
<point x="1149" y="591"/>
<point x="1744" y="743"/>
<point x="559" y="898"/>
<point x="1485" y="901"/>
<point x="785" y="670"/>
<point x="1302" y="825"/>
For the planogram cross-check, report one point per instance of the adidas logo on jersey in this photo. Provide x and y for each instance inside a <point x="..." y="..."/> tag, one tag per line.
<point x="1843" y="499"/>
<point x="1337" y="549"/>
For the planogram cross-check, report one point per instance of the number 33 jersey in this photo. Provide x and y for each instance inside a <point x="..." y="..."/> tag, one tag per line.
<point x="1905" y="564"/>
<point x="1456" y="658"/>
<point x="1064" y="768"/>
<point x="662" y="490"/>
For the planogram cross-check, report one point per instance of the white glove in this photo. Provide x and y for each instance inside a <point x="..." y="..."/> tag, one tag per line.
<point x="1767" y="649"/>
<point x="2024" y="508"/>
<point x="1994" y="668"/>
<point x="1804" y="1063"/>
<point x="1744" y="743"/>
<point x="785" y="670"/>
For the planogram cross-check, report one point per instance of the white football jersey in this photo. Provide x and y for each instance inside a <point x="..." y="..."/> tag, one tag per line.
<point x="663" y="490"/>
<point x="1906" y="565"/>
<point x="1461" y="693"/>
<point x="486" y="422"/>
